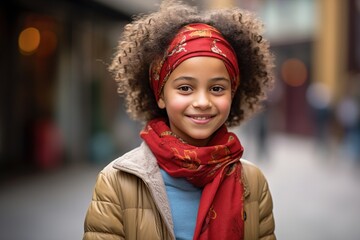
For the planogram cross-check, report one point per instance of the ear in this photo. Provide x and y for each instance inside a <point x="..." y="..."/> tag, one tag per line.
<point x="161" y="103"/>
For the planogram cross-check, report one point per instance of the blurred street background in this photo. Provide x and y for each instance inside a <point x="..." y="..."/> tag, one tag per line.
<point x="61" y="120"/>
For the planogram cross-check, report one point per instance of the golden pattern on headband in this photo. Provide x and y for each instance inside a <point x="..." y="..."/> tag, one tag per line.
<point x="209" y="28"/>
<point x="216" y="49"/>
<point x="201" y="33"/>
<point x="180" y="47"/>
<point x="155" y="68"/>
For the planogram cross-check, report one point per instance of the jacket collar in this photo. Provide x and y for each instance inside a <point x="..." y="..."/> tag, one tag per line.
<point x="142" y="163"/>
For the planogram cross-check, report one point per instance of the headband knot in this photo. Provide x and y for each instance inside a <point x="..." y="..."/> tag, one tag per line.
<point x="194" y="40"/>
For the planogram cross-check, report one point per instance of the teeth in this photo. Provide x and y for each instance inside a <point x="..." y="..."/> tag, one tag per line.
<point x="201" y="118"/>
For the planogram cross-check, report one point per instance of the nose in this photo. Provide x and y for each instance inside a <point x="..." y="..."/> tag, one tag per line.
<point x="202" y="100"/>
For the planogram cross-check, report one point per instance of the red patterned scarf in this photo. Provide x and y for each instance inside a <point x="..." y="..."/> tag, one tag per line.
<point x="216" y="168"/>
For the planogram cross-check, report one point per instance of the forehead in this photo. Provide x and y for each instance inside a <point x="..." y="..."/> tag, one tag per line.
<point x="201" y="65"/>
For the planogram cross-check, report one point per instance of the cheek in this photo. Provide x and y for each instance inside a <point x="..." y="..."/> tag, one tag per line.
<point x="224" y="105"/>
<point x="176" y="103"/>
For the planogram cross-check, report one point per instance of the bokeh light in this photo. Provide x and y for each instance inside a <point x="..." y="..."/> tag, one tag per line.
<point x="294" y="72"/>
<point x="29" y="40"/>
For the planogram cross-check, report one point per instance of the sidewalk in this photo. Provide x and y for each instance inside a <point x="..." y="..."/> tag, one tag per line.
<point x="316" y="194"/>
<point x="314" y="198"/>
<point x="47" y="207"/>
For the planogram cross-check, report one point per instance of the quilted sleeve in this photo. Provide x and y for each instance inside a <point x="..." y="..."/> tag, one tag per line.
<point x="267" y="223"/>
<point x="104" y="216"/>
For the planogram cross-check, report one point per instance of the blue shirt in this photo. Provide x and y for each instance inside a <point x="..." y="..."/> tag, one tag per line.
<point x="184" y="199"/>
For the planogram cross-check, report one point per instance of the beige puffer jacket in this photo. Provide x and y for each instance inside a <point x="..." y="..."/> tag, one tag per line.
<point x="130" y="202"/>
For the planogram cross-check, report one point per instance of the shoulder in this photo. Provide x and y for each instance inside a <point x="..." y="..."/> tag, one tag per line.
<point x="255" y="182"/>
<point x="130" y="160"/>
<point x="137" y="163"/>
<point x="113" y="171"/>
<point x="251" y="170"/>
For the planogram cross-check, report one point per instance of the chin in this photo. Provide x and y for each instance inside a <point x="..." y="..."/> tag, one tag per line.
<point x="200" y="137"/>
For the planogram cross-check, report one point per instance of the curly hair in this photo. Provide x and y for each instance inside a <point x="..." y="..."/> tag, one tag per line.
<point x="146" y="38"/>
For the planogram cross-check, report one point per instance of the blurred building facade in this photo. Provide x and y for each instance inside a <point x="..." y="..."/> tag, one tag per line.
<point x="54" y="82"/>
<point x="59" y="104"/>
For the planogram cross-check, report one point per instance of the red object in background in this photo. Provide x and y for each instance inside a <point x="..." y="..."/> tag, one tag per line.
<point x="48" y="145"/>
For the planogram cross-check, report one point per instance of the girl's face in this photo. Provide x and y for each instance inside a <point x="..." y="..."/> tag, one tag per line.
<point x="197" y="98"/>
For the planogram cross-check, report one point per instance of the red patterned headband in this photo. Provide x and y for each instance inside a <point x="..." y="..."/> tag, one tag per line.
<point x="194" y="40"/>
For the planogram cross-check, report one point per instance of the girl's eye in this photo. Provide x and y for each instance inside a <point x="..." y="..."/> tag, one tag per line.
<point x="184" y="88"/>
<point x="217" y="89"/>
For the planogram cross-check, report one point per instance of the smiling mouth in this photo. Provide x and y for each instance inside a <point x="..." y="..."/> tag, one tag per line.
<point x="201" y="118"/>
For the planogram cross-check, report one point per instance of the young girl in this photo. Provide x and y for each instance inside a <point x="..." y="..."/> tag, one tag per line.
<point x="189" y="75"/>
